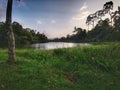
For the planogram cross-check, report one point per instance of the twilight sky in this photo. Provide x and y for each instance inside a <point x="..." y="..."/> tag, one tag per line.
<point x="55" y="18"/>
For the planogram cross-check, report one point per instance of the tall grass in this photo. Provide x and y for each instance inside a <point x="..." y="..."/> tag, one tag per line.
<point x="80" y="68"/>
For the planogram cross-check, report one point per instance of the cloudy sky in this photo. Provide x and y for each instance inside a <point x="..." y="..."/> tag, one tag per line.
<point x="55" y="18"/>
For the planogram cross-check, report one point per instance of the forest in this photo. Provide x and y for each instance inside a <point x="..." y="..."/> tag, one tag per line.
<point x="23" y="36"/>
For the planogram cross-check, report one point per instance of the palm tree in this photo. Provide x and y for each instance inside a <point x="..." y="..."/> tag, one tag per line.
<point x="11" y="38"/>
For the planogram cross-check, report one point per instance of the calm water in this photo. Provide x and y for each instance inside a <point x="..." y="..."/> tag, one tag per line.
<point x="55" y="45"/>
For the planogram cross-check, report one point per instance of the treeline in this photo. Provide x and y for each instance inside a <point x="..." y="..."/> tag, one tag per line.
<point x="103" y="31"/>
<point x="23" y="36"/>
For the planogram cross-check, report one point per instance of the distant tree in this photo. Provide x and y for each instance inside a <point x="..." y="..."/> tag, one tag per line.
<point x="80" y="34"/>
<point x="68" y="36"/>
<point x="107" y="7"/>
<point x="100" y="14"/>
<point x="94" y="17"/>
<point x="23" y="36"/>
<point x="77" y="30"/>
<point x="41" y="37"/>
<point x="117" y="19"/>
<point x="101" y="31"/>
<point x="91" y="19"/>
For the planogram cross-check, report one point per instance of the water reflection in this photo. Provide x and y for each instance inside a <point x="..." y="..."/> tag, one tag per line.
<point x="55" y="45"/>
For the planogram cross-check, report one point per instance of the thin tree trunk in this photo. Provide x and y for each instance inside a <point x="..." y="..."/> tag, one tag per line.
<point x="11" y="38"/>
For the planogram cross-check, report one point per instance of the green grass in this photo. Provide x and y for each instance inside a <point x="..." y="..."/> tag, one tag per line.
<point x="80" y="68"/>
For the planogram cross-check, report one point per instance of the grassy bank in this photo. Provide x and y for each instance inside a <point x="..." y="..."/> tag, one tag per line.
<point x="80" y="68"/>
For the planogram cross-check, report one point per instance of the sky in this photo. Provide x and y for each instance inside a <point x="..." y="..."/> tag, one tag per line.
<point x="55" y="18"/>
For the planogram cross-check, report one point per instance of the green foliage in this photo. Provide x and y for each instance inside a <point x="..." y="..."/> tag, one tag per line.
<point x="3" y="34"/>
<point x="101" y="31"/>
<point x="22" y="36"/>
<point x="79" y="68"/>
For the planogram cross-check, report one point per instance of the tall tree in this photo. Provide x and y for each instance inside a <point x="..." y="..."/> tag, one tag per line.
<point x="91" y="19"/>
<point x="107" y="7"/>
<point x="100" y="13"/>
<point x="116" y="18"/>
<point x="11" y="38"/>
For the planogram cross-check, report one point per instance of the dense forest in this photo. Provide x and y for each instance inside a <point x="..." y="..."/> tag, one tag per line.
<point x="23" y="36"/>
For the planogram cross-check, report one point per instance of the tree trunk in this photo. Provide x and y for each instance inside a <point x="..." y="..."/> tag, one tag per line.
<point x="11" y="38"/>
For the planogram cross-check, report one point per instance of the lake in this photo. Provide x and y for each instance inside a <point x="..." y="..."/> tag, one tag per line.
<point x="55" y="45"/>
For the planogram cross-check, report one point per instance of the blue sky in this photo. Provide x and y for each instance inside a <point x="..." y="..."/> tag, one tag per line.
<point x="55" y="18"/>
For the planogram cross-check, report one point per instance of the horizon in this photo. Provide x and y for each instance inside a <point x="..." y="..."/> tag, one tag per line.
<point x="54" y="18"/>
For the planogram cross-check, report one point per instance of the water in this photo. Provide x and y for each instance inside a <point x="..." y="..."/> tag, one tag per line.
<point x="55" y="45"/>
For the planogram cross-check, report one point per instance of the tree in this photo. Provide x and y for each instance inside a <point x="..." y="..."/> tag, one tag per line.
<point x="80" y="34"/>
<point x="11" y="38"/>
<point x="77" y="30"/>
<point x="23" y="36"/>
<point x="107" y="7"/>
<point x="91" y="19"/>
<point x="100" y="14"/>
<point x="101" y="32"/>
<point x="117" y="19"/>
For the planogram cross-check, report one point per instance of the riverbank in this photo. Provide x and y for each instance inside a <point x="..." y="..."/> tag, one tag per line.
<point x="80" y="68"/>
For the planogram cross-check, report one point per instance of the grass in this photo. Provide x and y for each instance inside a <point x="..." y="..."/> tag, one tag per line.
<point x="80" y="68"/>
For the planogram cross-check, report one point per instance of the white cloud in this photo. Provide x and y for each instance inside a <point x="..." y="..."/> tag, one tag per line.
<point x="84" y="7"/>
<point x="53" y="21"/>
<point x="80" y="16"/>
<point x="39" y="22"/>
<point x="83" y="13"/>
